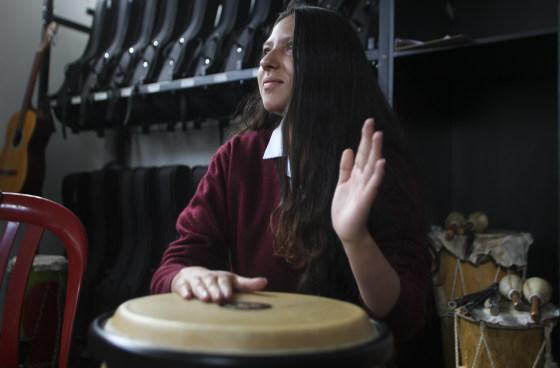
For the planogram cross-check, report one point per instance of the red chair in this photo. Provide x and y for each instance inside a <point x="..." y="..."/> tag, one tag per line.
<point x="38" y="214"/>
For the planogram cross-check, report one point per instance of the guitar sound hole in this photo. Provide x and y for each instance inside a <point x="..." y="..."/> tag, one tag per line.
<point x="17" y="138"/>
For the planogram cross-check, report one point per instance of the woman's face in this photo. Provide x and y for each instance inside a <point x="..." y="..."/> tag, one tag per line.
<point x="277" y="67"/>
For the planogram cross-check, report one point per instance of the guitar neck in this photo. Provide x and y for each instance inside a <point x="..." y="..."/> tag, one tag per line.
<point x="30" y="88"/>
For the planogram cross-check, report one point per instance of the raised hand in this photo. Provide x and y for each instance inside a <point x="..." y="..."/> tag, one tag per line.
<point x="358" y="184"/>
<point x="212" y="286"/>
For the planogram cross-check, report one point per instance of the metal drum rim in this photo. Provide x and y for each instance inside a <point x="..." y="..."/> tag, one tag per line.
<point x="118" y="351"/>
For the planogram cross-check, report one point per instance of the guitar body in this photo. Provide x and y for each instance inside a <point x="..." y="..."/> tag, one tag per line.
<point x="22" y="161"/>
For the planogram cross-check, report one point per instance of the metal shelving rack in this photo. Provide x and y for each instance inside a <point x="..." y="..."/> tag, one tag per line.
<point x="146" y="89"/>
<point x="387" y="52"/>
<point x="175" y="85"/>
<point x="384" y="58"/>
<point x="238" y="76"/>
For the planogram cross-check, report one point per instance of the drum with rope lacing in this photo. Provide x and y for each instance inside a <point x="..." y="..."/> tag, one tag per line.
<point x="467" y="266"/>
<point x="509" y="339"/>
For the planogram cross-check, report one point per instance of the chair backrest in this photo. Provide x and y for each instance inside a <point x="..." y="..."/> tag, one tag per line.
<point x="37" y="214"/>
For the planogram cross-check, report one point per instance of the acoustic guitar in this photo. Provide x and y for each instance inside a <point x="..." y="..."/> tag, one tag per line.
<point x="22" y="157"/>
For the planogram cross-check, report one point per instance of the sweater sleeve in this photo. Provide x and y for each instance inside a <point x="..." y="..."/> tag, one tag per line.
<point x="202" y="227"/>
<point x="399" y="231"/>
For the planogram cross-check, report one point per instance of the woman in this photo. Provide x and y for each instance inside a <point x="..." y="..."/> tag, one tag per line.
<point x="287" y="206"/>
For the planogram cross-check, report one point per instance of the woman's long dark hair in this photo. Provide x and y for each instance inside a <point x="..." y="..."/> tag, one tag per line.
<point x="334" y="91"/>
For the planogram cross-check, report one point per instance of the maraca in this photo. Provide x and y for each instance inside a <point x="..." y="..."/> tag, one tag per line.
<point x="510" y="287"/>
<point x="477" y="222"/>
<point x="537" y="291"/>
<point x="453" y="223"/>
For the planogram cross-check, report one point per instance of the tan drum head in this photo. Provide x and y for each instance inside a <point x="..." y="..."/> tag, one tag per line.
<point x="253" y="324"/>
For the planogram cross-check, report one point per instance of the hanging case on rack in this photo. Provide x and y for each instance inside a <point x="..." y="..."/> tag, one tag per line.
<point x="233" y="18"/>
<point x="174" y="17"/>
<point x="245" y="46"/>
<point x="102" y="31"/>
<point x="129" y="19"/>
<point x="129" y="58"/>
<point x="181" y="59"/>
<point x="364" y="19"/>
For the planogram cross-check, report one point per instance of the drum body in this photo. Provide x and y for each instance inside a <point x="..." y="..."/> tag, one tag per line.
<point x="455" y="279"/>
<point x="485" y="345"/>
<point x="255" y="330"/>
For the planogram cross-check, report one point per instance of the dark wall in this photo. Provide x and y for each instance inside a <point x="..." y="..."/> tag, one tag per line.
<point x="482" y="124"/>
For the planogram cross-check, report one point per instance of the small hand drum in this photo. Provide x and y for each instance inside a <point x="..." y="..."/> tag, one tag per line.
<point x="262" y="329"/>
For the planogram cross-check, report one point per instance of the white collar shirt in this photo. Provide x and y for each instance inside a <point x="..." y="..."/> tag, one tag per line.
<point x="274" y="149"/>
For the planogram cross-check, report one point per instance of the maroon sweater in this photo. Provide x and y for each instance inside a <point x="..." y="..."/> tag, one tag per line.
<point x="226" y="226"/>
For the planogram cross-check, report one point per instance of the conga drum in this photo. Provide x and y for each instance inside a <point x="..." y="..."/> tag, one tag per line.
<point x="264" y="329"/>
<point x="509" y="339"/>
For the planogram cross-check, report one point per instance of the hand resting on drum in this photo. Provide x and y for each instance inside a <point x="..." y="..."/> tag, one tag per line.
<point x="212" y="286"/>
